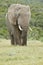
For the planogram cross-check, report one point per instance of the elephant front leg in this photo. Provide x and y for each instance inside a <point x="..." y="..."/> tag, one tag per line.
<point x="24" y="38"/>
<point x="13" y="42"/>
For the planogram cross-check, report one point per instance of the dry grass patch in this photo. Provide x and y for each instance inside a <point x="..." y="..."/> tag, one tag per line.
<point x="32" y="54"/>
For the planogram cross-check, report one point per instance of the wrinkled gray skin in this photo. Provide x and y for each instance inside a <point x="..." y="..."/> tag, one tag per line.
<point x="17" y="21"/>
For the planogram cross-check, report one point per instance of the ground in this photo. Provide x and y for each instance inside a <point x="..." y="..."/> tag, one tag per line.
<point x="32" y="54"/>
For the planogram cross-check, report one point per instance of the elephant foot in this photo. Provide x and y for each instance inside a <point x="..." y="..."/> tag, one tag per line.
<point x="24" y="44"/>
<point x="13" y="43"/>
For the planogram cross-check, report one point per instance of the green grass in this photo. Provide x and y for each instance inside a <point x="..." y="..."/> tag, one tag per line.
<point x="32" y="54"/>
<point x="36" y="22"/>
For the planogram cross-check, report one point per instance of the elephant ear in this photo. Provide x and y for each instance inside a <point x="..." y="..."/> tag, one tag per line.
<point x="13" y="17"/>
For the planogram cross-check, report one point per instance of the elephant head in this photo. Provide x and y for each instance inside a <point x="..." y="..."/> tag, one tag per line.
<point x="18" y="18"/>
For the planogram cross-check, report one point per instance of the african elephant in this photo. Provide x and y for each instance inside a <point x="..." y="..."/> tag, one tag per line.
<point x="17" y="20"/>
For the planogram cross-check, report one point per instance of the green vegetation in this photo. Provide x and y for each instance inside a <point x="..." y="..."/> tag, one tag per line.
<point x="32" y="54"/>
<point x="36" y="19"/>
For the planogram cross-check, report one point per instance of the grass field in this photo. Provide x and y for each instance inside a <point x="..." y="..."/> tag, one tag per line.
<point x="32" y="54"/>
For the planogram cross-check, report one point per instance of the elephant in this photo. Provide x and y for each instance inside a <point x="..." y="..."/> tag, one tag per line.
<point x="17" y="21"/>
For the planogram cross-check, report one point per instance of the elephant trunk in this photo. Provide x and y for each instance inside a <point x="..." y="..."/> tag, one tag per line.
<point x="24" y="37"/>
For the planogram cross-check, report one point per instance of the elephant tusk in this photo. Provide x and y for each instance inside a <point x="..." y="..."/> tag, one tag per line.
<point x="20" y="28"/>
<point x="30" y="28"/>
